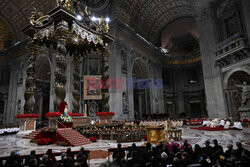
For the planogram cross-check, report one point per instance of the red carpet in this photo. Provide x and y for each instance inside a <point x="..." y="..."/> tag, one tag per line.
<point x="210" y="128"/>
<point x="73" y="137"/>
<point x="33" y="134"/>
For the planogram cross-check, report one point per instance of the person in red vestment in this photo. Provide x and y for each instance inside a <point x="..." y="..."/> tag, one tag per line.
<point x="63" y="105"/>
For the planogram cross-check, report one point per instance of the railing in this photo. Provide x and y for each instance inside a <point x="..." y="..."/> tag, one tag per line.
<point x="234" y="45"/>
<point x="229" y="39"/>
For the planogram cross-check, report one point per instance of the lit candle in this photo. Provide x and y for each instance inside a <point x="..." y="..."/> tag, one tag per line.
<point x="85" y="114"/>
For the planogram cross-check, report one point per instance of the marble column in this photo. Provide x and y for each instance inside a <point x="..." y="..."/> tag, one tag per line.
<point x="105" y="77"/>
<point x="212" y="75"/>
<point x="76" y="60"/>
<point x="30" y="80"/>
<point x="246" y="13"/>
<point x="5" y="99"/>
<point x="60" y="78"/>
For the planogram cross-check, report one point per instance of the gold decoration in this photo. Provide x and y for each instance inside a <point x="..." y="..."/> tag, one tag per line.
<point x="37" y="18"/>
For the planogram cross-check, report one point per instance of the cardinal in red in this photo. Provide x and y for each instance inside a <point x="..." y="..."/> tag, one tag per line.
<point x="63" y="104"/>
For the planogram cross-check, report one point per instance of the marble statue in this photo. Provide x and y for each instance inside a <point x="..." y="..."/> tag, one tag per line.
<point x="245" y="95"/>
<point x="125" y="106"/>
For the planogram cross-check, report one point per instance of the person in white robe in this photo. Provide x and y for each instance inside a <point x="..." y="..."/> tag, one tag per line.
<point x="227" y="125"/>
<point x="222" y="122"/>
<point x="237" y="126"/>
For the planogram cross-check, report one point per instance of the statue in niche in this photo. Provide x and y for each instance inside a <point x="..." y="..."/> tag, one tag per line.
<point x="93" y="108"/>
<point x="245" y="95"/>
<point x="125" y="106"/>
<point x="124" y="61"/>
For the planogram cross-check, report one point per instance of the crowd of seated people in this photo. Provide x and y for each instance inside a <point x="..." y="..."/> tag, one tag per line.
<point x="225" y="123"/>
<point x="48" y="160"/>
<point x="166" y="155"/>
<point x="8" y="129"/>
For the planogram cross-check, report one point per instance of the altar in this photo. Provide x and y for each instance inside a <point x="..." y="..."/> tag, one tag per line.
<point x="155" y="134"/>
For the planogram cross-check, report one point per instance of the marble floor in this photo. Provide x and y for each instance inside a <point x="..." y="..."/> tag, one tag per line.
<point x="10" y="143"/>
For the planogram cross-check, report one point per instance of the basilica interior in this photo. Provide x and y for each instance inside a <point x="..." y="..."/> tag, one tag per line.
<point x="157" y="61"/>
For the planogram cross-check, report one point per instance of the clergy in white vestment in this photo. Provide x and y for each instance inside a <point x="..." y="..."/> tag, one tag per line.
<point x="237" y="126"/>
<point x="222" y="122"/>
<point x="227" y="125"/>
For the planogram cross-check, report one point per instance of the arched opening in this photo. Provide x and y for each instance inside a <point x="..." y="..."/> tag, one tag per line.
<point x="142" y="106"/>
<point x="195" y="107"/>
<point x="43" y="78"/>
<point x="183" y="76"/>
<point x="233" y="94"/>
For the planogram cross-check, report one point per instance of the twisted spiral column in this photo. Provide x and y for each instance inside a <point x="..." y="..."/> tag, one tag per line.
<point x="76" y="83"/>
<point x="60" y="77"/>
<point x="105" y="77"/>
<point x="30" y="80"/>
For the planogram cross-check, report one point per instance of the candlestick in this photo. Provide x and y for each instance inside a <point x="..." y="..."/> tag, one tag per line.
<point x="85" y="114"/>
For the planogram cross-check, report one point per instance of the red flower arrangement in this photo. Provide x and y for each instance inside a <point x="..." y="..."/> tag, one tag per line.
<point x="93" y="139"/>
<point x="44" y="141"/>
<point x="105" y="114"/>
<point x="76" y="114"/>
<point x="28" y="116"/>
<point x="52" y="114"/>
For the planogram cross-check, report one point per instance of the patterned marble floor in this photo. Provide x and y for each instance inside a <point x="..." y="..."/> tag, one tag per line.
<point x="23" y="146"/>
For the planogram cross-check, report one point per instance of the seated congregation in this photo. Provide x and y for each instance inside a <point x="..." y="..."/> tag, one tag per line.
<point x="173" y="154"/>
<point x="67" y="159"/>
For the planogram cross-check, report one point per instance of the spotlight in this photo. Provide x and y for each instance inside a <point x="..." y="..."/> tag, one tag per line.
<point x="79" y="17"/>
<point x="93" y="18"/>
<point x="107" y="19"/>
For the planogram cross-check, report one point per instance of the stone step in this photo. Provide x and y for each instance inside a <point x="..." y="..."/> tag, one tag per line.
<point x="73" y="137"/>
<point x="33" y="134"/>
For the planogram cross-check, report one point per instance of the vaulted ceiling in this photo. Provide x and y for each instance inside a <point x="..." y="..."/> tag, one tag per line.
<point x="15" y="13"/>
<point x="147" y="17"/>
<point x="150" y="17"/>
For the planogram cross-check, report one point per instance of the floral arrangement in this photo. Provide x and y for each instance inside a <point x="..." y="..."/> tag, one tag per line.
<point x="65" y="119"/>
<point x="52" y="114"/>
<point x="93" y="139"/>
<point x="105" y="114"/>
<point x="43" y="141"/>
<point x="28" y="116"/>
<point x="49" y="129"/>
<point x="76" y="114"/>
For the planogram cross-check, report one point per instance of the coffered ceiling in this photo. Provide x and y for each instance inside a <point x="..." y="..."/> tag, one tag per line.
<point x="15" y="13"/>
<point x="147" y="17"/>
<point x="150" y="17"/>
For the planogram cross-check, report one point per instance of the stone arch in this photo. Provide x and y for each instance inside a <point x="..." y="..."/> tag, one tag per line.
<point x="141" y="95"/>
<point x="231" y="72"/>
<point x="232" y="94"/>
<point x="43" y="84"/>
